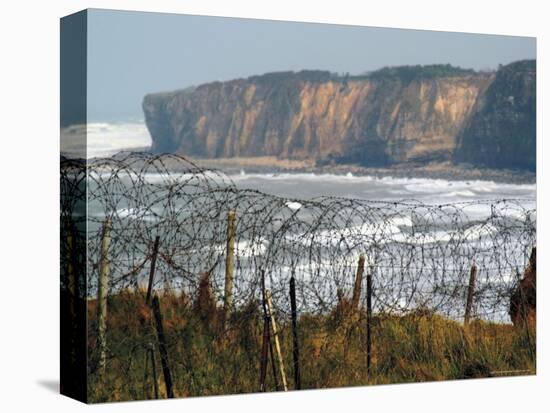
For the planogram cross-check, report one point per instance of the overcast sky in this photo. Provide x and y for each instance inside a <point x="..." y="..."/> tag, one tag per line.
<point x="134" y="53"/>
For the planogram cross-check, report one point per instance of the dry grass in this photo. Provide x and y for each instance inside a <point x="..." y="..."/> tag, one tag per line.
<point x="207" y="359"/>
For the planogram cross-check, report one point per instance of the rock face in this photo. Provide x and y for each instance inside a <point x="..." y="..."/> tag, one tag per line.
<point x="502" y="131"/>
<point x="402" y="115"/>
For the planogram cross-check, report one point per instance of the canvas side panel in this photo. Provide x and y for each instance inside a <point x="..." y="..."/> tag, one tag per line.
<point x="73" y="67"/>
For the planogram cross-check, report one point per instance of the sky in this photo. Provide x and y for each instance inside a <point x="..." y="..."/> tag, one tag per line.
<point x="131" y="54"/>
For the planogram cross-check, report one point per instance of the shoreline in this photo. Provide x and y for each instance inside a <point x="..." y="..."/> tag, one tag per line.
<point x="440" y="170"/>
<point x="434" y="170"/>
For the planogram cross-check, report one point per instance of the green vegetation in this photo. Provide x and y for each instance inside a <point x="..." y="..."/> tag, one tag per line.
<point x="406" y="74"/>
<point x="207" y="359"/>
<point x="319" y="76"/>
<point x="409" y="73"/>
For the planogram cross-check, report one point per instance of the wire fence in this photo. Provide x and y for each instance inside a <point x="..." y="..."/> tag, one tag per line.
<point x="161" y="224"/>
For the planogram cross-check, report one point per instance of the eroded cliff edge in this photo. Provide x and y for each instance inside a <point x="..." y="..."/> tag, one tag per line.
<point x="393" y="116"/>
<point x="501" y="133"/>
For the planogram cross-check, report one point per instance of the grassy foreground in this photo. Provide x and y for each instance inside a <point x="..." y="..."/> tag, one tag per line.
<point x="207" y="359"/>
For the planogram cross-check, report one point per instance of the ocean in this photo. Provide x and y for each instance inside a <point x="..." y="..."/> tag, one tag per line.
<point x="430" y="191"/>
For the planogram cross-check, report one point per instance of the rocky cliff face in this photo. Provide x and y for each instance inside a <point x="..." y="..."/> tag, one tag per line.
<point x="502" y="131"/>
<point x="391" y="118"/>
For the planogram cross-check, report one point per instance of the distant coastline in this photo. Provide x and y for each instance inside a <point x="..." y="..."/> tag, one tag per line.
<point x="273" y="165"/>
<point x="435" y="170"/>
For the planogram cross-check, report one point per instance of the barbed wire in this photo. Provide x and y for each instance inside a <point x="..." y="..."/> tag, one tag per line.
<point x="420" y="255"/>
<point x="115" y="212"/>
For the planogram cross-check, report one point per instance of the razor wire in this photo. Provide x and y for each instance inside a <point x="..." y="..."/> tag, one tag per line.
<point x="419" y="255"/>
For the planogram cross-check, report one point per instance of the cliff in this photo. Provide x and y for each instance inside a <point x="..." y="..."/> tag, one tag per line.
<point x="392" y="116"/>
<point x="502" y="131"/>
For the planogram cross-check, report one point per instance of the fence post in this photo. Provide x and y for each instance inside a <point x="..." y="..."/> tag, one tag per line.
<point x="267" y="345"/>
<point x="470" y="298"/>
<point x="162" y="348"/>
<point x="295" y="347"/>
<point x="150" y="355"/>
<point x="145" y="375"/>
<point x="152" y="270"/>
<point x="229" y="259"/>
<point x="266" y="339"/>
<point x="276" y="338"/>
<point x="369" y="320"/>
<point x="263" y="362"/>
<point x="102" y="291"/>
<point x="154" y="368"/>
<point x="273" y="363"/>
<point x="358" y="282"/>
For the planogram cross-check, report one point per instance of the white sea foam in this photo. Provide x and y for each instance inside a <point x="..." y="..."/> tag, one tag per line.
<point x="432" y="191"/>
<point x="459" y="194"/>
<point x="293" y="205"/>
<point x="246" y="248"/>
<point x="137" y="214"/>
<point x="104" y="139"/>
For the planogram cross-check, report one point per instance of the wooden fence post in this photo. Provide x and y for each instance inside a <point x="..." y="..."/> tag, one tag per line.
<point x="229" y="264"/>
<point x="162" y="348"/>
<point x="295" y="347"/>
<point x="154" y="369"/>
<point x="369" y="320"/>
<point x="266" y="339"/>
<point x="273" y="362"/>
<point x="267" y="345"/>
<point x="152" y="270"/>
<point x="470" y="298"/>
<point x="102" y="291"/>
<point x="263" y="362"/>
<point x="358" y="282"/>
<point x="150" y="355"/>
<point x="276" y="339"/>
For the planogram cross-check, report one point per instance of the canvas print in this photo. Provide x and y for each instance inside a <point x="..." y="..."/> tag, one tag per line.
<point x="257" y="206"/>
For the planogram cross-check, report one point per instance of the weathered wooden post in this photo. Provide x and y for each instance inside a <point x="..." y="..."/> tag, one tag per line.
<point x="145" y="375"/>
<point x="162" y="348"/>
<point x="358" y="282"/>
<point x="276" y="339"/>
<point x="152" y="270"/>
<point x="154" y="368"/>
<point x="263" y="362"/>
<point x="295" y="346"/>
<point x="151" y="348"/>
<point x="470" y="298"/>
<point x="102" y="291"/>
<point x="229" y="264"/>
<point x="369" y="320"/>
<point x="266" y="339"/>
<point x="273" y="363"/>
<point x="150" y="355"/>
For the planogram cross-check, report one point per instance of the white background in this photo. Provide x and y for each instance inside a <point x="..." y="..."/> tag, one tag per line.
<point x="29" y="101"/>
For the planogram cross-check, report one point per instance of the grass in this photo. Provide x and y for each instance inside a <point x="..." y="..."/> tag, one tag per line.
<point x="208" y="359"/>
